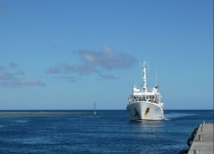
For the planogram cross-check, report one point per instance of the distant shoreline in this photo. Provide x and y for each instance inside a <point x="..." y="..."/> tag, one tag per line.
<point x="40" y="113"/>
<point x="73" y="112"/>
<point x="85" y="110"/>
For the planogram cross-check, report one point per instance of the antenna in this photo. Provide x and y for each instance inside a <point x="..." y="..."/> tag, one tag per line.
<point x="156" y="78"/>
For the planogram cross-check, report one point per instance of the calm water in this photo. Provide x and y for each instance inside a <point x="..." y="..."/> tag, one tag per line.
<point x="107" y="132"/>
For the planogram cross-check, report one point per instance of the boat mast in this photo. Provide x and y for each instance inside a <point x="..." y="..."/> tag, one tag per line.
<point x="144" y="70"/>
<point x="156" y="78"/>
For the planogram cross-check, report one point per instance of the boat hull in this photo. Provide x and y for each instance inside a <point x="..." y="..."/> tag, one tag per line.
<point x="144" y="110"/>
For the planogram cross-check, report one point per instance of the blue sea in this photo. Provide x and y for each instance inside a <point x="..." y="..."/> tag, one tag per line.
<point x="109" y="131"/>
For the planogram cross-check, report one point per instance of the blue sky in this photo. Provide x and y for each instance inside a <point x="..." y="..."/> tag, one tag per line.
<point x="67" y="54"/>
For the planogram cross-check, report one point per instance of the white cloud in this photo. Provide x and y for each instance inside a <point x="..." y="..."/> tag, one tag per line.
<point x="68" y="78"/>
<point x="53" y="70"/>
<point x="6" y="75"/>
<point x="81" y="69"/>
<point x="106" y="58"/>
<point x="96" y="61"/>
<point x="107" y="76"/>
<point x="29" y="82"/>
<point x="14" y="79"/>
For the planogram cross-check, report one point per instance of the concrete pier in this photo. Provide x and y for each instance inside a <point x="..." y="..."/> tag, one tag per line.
<point x="203" y="140"/>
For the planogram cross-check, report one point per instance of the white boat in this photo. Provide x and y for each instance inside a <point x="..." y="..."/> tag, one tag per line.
<point x="145" y="103"/>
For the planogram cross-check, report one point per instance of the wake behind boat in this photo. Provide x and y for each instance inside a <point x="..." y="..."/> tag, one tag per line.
<point x="145" y="103"/>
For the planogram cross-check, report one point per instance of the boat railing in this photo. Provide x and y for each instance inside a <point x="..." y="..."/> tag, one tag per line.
<point x="150" y="90"/>
<point x="152" y="100"/>
<point x="147" y="90"/>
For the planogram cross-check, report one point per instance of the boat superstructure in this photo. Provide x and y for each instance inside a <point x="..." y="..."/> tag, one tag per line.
<point x="145" y="103"/>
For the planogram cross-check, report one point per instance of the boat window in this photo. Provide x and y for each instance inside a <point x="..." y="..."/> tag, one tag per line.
<point x="136" y="98"/>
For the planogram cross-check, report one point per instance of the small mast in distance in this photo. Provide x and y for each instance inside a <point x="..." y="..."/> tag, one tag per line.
<point x="94" y="108"/>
